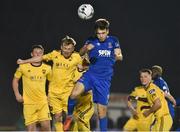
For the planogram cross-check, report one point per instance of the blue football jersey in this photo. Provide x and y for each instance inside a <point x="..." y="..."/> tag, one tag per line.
<point x="102" y="56"/>
<point x="163" y="86"/>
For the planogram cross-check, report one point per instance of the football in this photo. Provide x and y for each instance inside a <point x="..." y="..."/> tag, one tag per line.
<point x="85" y="11"/>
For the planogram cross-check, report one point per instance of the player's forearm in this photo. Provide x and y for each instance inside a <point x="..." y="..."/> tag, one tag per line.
<point x="83" y="50"/>
<point x="170" y="97"/>
<point x="118" y="54"/>
<point x="31" y="60"/>
<point x="15" y="87"/>
<point x="130" y="106"/>
<point x="156" y="106"/>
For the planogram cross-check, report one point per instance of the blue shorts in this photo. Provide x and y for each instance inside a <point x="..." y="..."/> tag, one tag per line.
<point x="100" y="87"/>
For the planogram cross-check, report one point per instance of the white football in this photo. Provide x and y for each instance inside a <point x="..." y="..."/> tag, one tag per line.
<point x="85" y="11"/>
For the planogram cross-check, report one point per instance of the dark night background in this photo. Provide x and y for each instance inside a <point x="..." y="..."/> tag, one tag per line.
<point x="148" y="31"/>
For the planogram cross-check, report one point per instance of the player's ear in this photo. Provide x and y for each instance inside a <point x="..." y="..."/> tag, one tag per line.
<point x="61" y="46"/>
<point x="107" y="31"/>
<point x="73" y="48"/>
<point x="31" y="54"/>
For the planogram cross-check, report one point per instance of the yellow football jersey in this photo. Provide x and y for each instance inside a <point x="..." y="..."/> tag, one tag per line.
<point x="34" y="80"/>
<point x="139" y="92"/>
<point x="62" y="71"/>
<point x="154" y="92"/>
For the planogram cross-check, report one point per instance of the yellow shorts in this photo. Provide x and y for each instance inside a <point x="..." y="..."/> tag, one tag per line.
<point x="163" y="124"/>
<point x="58" y="102"/>
<point x="36" y="112"/>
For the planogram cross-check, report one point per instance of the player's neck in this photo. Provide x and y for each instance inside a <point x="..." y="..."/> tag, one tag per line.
<point x="147" y="85"/>
<point x="36" y="64"/>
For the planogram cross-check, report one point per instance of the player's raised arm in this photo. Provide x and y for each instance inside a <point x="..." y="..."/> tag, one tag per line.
<point x="30" y="60"/>
<point x="156" y="106"/>
<point x="37" y="58"/>
<point x="85" y="49"/>
<point x="170" y="98"/>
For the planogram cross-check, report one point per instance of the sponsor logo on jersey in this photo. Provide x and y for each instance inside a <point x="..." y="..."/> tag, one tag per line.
<point x="152" y="91"/>
<point x="104" y="53"/>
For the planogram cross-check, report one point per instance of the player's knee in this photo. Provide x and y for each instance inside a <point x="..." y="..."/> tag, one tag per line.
<point x="102" y="112"/>
<point x="74" y="95"/>
<point x="46" y="126"/>
<point x="58" y="117"/>
<point x="31" y="127"/>
<point x="78" y="89"/>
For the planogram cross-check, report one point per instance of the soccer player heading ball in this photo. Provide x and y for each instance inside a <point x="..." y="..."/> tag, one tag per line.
<point x="104" y="51"/>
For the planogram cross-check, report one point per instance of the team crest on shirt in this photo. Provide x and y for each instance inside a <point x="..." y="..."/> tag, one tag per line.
<point x="152" y="91"/>
<point x="110" y="45"/>
<point x="29" y="70"/>
<point x="43" y="71"/>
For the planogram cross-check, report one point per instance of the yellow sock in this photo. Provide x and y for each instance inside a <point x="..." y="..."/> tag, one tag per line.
<point x="58" y="126"/>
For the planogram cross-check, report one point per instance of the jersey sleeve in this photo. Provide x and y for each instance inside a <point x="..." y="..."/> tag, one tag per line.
<point x="79" y="59"/>
<point x="133" y="93"/>
<point x="49" y="74"/>
<point x="116" y="43"/>
<point x="18" y="73"/>
<point x="89" y="41"/>
<point x="49" y="56"/>
<point x="165" y="87"/>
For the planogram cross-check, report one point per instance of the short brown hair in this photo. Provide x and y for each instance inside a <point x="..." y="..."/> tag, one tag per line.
<point x="37" y="46"/>
<point x="68" y="40"/>
<point x="101" y="24"/>
<point x="157" y="70"/>
<point x="145" y="70"/>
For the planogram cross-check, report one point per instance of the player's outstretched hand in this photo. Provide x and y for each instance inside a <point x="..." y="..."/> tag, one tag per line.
<point x="19" y="61"/>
